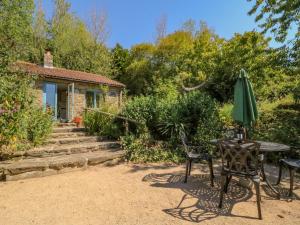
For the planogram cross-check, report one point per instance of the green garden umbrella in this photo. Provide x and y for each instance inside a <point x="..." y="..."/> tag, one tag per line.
<point x="244" y="109"/>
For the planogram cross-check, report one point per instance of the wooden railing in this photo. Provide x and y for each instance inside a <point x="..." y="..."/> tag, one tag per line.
<point x="125" y="119"/>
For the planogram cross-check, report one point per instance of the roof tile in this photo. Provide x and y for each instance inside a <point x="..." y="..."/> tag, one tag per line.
<point x="66" y="74"/>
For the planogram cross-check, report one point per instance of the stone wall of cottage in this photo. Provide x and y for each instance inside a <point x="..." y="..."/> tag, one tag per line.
<point x="113" y="95"/>
<point x="38" y="93"/>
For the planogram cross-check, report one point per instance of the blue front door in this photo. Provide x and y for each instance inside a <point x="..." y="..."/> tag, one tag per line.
<point x="50" y="98"/>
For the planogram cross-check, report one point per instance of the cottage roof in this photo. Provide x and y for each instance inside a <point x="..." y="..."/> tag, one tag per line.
<point x="65" y="74"/>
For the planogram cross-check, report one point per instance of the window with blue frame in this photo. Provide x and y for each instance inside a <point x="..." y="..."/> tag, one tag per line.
<point x="93" y="99"/>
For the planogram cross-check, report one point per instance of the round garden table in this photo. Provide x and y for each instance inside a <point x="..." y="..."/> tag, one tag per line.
<point x="265" y="148"/>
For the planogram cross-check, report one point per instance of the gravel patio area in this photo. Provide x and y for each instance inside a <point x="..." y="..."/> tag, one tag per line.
<point x="134" y="194"/>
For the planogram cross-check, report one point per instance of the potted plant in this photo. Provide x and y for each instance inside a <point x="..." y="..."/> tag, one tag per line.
<point x="77" y="120"/>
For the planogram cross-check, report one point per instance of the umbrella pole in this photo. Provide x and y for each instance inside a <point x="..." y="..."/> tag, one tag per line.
<point x="245" y="133"/>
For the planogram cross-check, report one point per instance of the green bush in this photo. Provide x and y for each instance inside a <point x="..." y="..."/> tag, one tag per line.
<point x="145" y="149"/>
<point x="278" y="121"/>
<point x="282" y="125"/>
<point x="195" y="114"/>
<point x="225" y="114"/>
<point x="15" y="101"/>
<point x="164" y="119"/>
<point x="22" y="123"/>
<point x="39" y="125"/>
<point x="100" y="124"/>
<point x="143" y="110"/>
<point x="296" y="93"/>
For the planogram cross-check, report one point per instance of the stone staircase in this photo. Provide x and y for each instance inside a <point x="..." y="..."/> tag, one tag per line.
<point x="68" y="148"/>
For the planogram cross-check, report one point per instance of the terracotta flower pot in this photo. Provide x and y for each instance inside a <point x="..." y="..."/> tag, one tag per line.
<point x="77" y="120"/>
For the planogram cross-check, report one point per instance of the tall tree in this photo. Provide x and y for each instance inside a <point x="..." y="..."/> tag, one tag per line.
<point x="278" y="16"/>
<point x="140" y="72"/>
<point x="120" y="61"/>
<point x="15" y="29"/>
<point x="15" y="92"/>
<point x="189" y="26"/>
<point x="161" y="28"/>
<point x="198" y="64"/>
<point x="98" y="26"/>
<point x="249" y="51"/>
<point x="40" y="31"/>
<point x="80" y="51"/>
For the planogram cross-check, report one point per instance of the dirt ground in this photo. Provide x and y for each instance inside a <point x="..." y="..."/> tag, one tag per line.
<point x="138" y="194"/>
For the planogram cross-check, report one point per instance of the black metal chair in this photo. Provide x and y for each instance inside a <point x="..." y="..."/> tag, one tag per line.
<point x="292" y="165"/>
<point x="194" y="153"/>
<point x="241" y="160"/>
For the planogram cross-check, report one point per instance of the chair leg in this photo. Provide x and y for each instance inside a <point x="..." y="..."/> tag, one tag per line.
<point x="211" y="170"/>
<point x="187" y="170"/>
<point x="223" y="179"/>
<point x="280" y="173"/>
<point x="291" y="181"/>
<point x="190" y="167"/>
<point x="258" y="197"/>
<point x="263" y="171"/>
<point x="228" y="179"/>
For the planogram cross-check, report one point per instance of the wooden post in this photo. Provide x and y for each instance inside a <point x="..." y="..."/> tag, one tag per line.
<point x="126" y="127"/>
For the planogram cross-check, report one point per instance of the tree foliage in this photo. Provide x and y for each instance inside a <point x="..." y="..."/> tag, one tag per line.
<point x="192" y="57"/>
<point x="40" y="33"/>
<point x="15" y="29"/>
<point x="120" y="61"/>
<point x="80" y="51"/>
<point x="251" y="52"/>
<point x="277" y="16"/>
<point x="16" y="97"/>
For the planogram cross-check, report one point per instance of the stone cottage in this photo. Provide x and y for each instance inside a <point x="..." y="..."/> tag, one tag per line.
<point x="69" y="92"/>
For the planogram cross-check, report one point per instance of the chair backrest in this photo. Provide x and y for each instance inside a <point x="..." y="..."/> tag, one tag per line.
<point x="240" y="158"/>
<point x="189" y="147"/>
<point x="184" y="142"/>
<point x="230" y="133"/>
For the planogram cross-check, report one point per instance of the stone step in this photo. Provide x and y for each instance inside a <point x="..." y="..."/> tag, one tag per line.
<point x="74" y="140"/>
<point x="65" y="124"/>
<point x="68" y="129"/>
<point x="68" y="134"/>
<point x="67" y="149"/>
<point x="38" y="167"/>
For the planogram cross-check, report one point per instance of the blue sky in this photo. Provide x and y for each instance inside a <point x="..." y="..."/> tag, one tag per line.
<point x="134" y="21"/>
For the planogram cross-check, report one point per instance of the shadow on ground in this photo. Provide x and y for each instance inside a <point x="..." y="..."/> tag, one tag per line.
<point x="283" y="191"/>
<point x="200" y="200"/>
<point x="143" y="167"/>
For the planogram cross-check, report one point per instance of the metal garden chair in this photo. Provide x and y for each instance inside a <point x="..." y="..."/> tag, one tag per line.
<point x="292" y="165"/>
<point x="194" y="153"/>
<point x="241" y="160"/>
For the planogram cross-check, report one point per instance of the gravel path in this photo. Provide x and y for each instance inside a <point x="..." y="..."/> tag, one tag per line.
<point x="136" y="195"/>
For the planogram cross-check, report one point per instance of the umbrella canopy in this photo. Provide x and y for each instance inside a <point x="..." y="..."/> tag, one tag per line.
<point x="244" y="109"/>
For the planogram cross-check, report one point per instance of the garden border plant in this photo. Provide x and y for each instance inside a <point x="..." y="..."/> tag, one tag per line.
<point x="164" y="119"/>
<point x="23" y="123"/>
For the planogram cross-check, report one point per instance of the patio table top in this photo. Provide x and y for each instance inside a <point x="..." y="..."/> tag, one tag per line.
<point x="265" y="146"/>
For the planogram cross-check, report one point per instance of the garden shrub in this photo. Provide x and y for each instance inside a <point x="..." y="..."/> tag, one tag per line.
<point x="282" y="125"/>
<point x="145" y="149"/>
<point x="100" y="124"/>
<point x="296" y="93"/>
<point x="278" y="121"/>
<point x="39" y="125"/>
<point x="225" y="112"/>
<point x="15" y="102"/>
<point x="19" y="116"/>
<point x="195" y="114"/>
<point x="143" y="110"/>
<point x="166" y="118"/>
